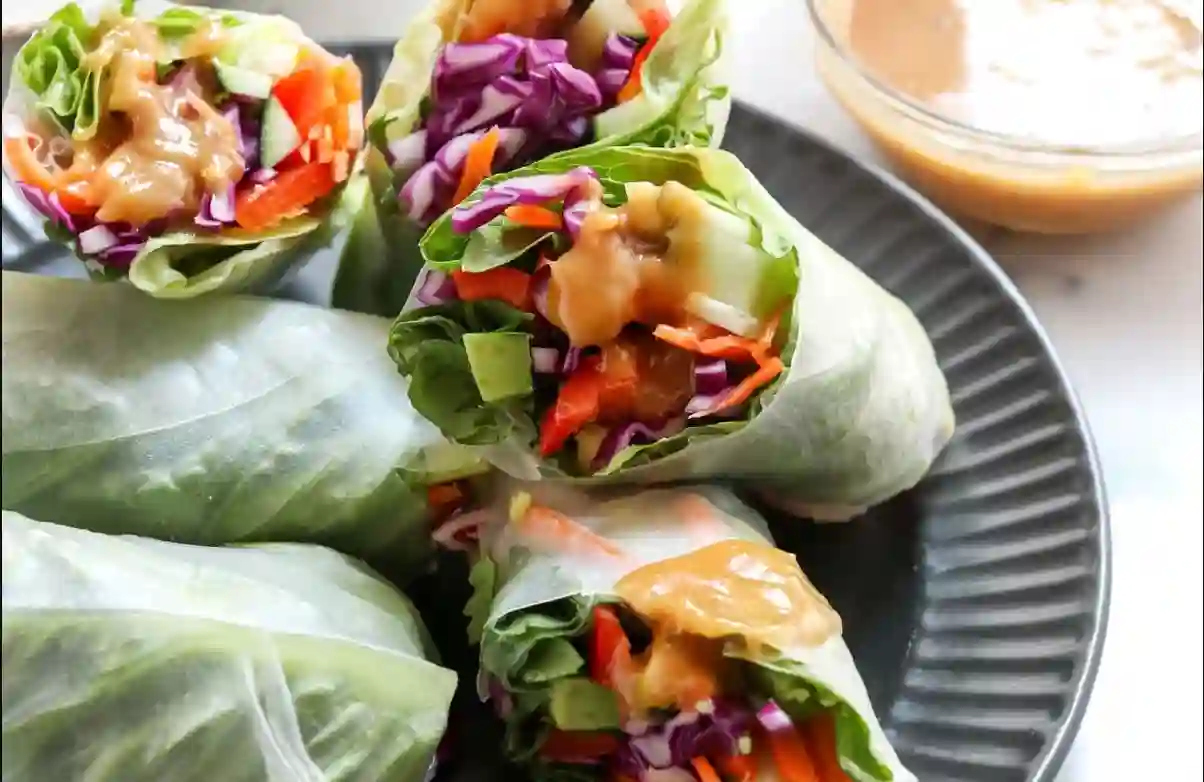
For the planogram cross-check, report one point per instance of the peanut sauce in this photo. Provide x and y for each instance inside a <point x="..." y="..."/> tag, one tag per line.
<point x="160" y="148"/>
<point x="637" y="263"/>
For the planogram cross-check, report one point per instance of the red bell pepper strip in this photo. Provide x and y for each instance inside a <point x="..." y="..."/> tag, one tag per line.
<point x="609" y="647"/>
<point x="512" y="286"/>
<point x="288" y="194"/>
<point x="578" y="746"/>
<point x="656" y="22"/>
<point x="577" y="404"/>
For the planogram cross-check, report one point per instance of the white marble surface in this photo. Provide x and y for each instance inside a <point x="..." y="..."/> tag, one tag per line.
<point x="1125" y="314"/>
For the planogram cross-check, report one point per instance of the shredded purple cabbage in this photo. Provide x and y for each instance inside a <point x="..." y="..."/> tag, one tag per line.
<point x="525" y="87"/>
<point x="723" y="730"/>
<point x="634" y="433"/>
<point x="468" y="217"/>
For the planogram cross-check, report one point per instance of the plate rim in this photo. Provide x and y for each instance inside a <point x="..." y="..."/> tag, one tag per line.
<point x="1053" y="756"/>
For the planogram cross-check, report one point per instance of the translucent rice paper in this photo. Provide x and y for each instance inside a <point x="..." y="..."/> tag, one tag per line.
<point x="133" y="660"/>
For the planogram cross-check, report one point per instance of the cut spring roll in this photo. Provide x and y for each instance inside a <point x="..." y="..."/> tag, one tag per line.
<point x="134" y="660"/>
<point x="482" y="86"/>
<point x="228" y="420"/>
<point x="661" y="637"/>
<point x="184" y="149"/>
<point x="653" y="315"/>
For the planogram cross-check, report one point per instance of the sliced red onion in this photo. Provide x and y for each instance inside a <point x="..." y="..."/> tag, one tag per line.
<point x="522" y="190"/>
<point x="539" y="289"/>
<point x="621" y="437"/>
<point x="49" y="206"/>
<point x="261" y="176"/>
<point x="459" y="532"/>
<point x="546" y="361"/>
<point x="96" y="240"/>
<point x="122" y="255"/>
<point x="435" y="288"/>
<point x="619" y="51"/>
<point x="773" y="719"/>
<point x="576" y="207"/>
<point x="572" y="131"/>
<point x="709" y="405"/>
<point x="710" y="376"/>
<point x="408" y="153"/>
<point x="572" y="358"/>
<point x="654" y="749"/>
<point x="611" y="80"/>
<point x="510" y="143"/>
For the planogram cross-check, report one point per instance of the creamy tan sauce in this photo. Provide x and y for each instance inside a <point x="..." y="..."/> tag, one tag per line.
<point x="1068" y="72"/>
<point x="735" y="590"/>
<point x="160" y="149"/>
<point x="623" y="268"/>
<point x="528" y="18"/>
<point x="650" y="379"/>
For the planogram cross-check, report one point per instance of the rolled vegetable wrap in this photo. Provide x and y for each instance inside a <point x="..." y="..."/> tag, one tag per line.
<point x="652" y="315"/>
<point x="187" y="150"/>
<point x="228" y="420"/>
<point x="661" y="636"/>
<point x="482" y="86"/>
<point x="134" y="660"/>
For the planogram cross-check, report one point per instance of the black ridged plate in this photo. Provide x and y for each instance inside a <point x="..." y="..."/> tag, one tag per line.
<point x="975" y="605"/>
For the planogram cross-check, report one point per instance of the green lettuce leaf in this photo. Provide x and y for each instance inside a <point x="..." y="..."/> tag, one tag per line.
<point x="544" y="601"/>
<point x="685" y="101"/>
<point x="276" y="662"/>
<point x="427" y="345"/>
<point x="225" y="420"/>
<point x="51" y="65"/>
<point x="862" y="409"/>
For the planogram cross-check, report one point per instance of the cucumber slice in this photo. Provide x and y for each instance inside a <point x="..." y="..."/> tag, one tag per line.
<point x="240" y="81"/>
<point x="279" y="136"/>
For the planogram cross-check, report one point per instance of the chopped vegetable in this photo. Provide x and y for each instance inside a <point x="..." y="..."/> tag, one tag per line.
<point x="478" y="164"/>
<point x="747" y="387"/>
<point x="609" y="648"/>
<point x="728" y="347"/>
<point x="512" y="286"/>
<point x="530" y="216"/>
<point x="552" y="527"/>
<point x="70" y="185"/>
<point x="704" y="769"/>
<point x="562" y="746"/>
<point x="656" y="22"/>
<point x="306" y="94"/>
<point x="791" y="756"/>
<point x="290" y="192"/>
<point x="444" y="498"/>
<point x="820" y="734"/>
<point x="738" y="768"/>
<point x="576" y="405"/>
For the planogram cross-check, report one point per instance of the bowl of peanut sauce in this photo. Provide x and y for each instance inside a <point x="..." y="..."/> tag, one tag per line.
<point x="1045" y="116"/>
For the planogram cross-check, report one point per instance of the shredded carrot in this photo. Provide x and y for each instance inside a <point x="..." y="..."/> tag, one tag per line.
<point x="444" y="496"/>
<point x="70" y="185"/>
<point x="791" y="756"/>
<point x="765" y="341"/>
<point x="512" y="286"/>
<point x="478" y="164"/>
<point x="656" y="22"/>
<point x="550" y="526"/>
<point x="699" y="515"/>
<point x="820" y="734"/>
<point x="704" y="769"/>
<point x="738" y="768"/>
<point x="530" y="216"/>
<point x="348" y="83"/>
<point x="727" y="346"/>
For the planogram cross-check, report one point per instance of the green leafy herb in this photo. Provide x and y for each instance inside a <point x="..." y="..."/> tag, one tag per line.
<point x="51" y="64"/>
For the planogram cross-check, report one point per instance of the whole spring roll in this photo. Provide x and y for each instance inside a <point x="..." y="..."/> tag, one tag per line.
<point x="227" y="420"/>
<point x="662" y="637"/>
<point x="134" y="660"/>
<point x="184" y="149"/>
<point x="482" y="86"/>
<point x="646" y="315"/>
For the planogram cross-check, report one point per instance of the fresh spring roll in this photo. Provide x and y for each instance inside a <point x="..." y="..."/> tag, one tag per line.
<point x="482" y="86"/>
<point x="133" y="660"/>
<point x="184" y="149"/>
<point x="650" y="315"/>
<point x="227" y="420"/>
<point x="661" y="636"/>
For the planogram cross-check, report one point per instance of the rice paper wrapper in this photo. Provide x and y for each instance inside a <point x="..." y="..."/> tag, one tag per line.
<point x="685" y="100"/>
<point x="229" y="420"/>
<point x="184" y="264"/>
<point x="860" y="413"/>
<point x="136" y="660"/>
<point x="649" y="527"/>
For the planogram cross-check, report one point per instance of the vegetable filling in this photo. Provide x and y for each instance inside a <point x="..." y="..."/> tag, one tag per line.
<point x="523" y="80"/>
<point x="190" y="121"/>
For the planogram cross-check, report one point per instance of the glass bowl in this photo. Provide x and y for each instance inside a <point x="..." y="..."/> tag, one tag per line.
<point x="1000" y="179"/>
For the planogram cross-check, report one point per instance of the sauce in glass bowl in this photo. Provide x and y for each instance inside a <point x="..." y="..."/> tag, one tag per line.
<point x="1054" y="116"/>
